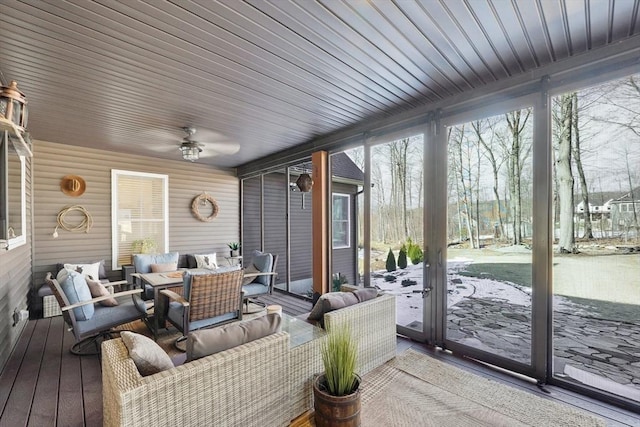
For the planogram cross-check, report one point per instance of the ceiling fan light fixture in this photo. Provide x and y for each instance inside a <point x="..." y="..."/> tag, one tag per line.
<point x="190" y="151"/>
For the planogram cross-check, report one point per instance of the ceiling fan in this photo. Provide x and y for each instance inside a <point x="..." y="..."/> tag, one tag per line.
<point x="191" y="148"/>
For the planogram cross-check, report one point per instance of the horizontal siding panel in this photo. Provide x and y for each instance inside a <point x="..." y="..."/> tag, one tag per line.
<point x="186" y="181"/>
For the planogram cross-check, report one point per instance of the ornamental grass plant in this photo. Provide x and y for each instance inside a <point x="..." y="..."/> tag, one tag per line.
<point x="339" y="354"/>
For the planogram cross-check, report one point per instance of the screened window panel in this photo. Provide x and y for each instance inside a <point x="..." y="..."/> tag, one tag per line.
<point x="140" y="215"/>
<point x="340" y="219"/>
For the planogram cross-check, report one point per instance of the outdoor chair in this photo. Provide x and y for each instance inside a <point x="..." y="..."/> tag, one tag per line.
<point x="259" y="276"/>
<point x="153" y="263"/>
<point x="208" y="300"/>
<point x="91" y="332"/>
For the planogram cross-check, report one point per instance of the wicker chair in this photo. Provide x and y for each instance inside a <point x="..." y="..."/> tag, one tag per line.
<point x="208" y="300"/>
<point x="90" y="333"/>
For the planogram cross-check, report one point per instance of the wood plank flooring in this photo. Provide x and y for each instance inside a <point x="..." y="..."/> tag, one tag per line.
<point x="45" y="385"/>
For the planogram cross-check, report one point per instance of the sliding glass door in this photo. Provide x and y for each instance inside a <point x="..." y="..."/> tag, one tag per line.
<point x="489" y="237"/>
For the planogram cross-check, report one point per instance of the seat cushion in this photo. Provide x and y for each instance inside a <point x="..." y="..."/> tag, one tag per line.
<point x="108" y="317"/>
<point x="210" y="341"/>
<point x="262" y="262"/>
<point x="148" y="356"/>
<point x="142" y="262"/>
<point x="74" y="286"/>
<point x="176" y="313"/>
<point x="253" y="289"/>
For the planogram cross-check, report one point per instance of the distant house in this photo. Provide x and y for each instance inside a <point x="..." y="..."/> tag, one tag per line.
<point x="616" y="206"/>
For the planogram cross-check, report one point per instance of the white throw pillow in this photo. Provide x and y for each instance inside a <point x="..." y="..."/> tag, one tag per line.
<point x="206" y="261"/>
<point x="92" y="270"/>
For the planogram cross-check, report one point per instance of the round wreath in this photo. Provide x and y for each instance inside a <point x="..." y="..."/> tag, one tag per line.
<point x="202" y="199"/>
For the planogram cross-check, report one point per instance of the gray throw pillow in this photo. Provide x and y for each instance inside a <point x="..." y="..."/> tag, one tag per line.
<point x="148" y="356"/>
<point x="331" y="301"/>
<point x="206" y="342"/>
<point x="365" y="294"/>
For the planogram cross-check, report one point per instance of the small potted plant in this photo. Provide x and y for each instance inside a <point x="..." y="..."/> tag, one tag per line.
<point x="336" y="392"/>
<point x="235" y="248"/>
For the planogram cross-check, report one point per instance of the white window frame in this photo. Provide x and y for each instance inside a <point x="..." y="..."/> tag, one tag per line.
<point x="348" y="221"/>
<point x="115" y="175"/>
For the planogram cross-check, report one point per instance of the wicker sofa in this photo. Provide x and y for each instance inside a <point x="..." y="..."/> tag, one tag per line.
<point x="244" y="386"/>
<point x="373" y="325"/>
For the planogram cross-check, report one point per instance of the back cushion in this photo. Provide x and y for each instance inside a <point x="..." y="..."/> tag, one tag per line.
<point x="331" y="301"/>
<point x="210" y="341"/>
<point x="262" y="262"/>
<point x="142" y="262"/>
<point x="74" y="286"/>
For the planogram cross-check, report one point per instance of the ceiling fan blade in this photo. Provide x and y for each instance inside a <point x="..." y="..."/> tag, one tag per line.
<point x="221" y="147"/>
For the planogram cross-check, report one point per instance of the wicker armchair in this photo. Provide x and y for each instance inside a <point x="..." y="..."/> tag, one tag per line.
<point x="89" y="333"/>
<point x="208" y="300"/>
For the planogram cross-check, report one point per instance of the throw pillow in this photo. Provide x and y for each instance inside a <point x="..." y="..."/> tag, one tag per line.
<point x="74" y="286"/>
<point x="142" y="262"/>
<point x="206" y="261"/>
<point x="250" y="269"/>
<point x="263" y="262"/>
<point x="365" y="294"/>
<point x="331" y="301"/>
<point x="148" y="356"/>
<point x="164" y="268"/>
<point x="210" y="341"/>
<point x="97" y="289"/>
<point x="91" y="270"/>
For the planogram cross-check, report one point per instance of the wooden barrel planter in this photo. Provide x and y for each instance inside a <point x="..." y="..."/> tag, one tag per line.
<point x="335" y="411"/>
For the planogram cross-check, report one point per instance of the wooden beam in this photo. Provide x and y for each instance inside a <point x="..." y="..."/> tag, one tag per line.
<point x="320" y="218"/>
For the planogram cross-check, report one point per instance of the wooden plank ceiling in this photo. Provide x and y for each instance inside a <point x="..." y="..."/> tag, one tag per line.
<point x="268" y="75"/>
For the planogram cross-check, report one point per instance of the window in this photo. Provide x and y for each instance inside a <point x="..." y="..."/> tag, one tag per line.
<point x="139" y="212"/>
<point x="341" y="221"/>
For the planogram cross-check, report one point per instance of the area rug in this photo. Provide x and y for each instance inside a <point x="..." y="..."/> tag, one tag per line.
<point x="417" y="390"/>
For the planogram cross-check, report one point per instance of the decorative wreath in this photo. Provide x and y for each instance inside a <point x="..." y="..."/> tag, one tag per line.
<point x="202" y="200"/>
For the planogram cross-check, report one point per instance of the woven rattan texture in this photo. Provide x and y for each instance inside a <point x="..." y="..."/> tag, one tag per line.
<point x="215" y="294"/>
<point x="50" y="306"/>
<point x="373" y="326"/>
<point x="244" y="386"/>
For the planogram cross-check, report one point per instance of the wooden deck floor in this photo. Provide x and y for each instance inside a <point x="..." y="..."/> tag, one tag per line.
<point x="45" y="385"/>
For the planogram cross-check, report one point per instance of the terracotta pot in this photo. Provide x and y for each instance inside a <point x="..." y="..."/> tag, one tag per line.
<point x="335" y="411"/>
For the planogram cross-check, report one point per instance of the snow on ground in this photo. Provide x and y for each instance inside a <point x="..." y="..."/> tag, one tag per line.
<point x="409" y="303"/>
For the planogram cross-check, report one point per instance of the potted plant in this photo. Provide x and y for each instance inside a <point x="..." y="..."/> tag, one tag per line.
<point x="235" y="248"/>
<point x="336" y="392"/>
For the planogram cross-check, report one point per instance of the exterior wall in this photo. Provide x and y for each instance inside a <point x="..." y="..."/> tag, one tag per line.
<point x="52" y="161"/>
<point x="345" y="260"/>
<point x="275" y="215"/>
<point x="15" y="280"/>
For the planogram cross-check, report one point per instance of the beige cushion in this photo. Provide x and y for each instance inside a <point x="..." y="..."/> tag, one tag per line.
<point x="148" y="356"/>
<point x="365" y="294"/>
<point x="164" y="268"/>
<point x="206" y="261"/>
<point x="332" y="301"/>
<point x="210" y="341"/>
<point x="249" y="269"/>
<point x="97" y="290"/>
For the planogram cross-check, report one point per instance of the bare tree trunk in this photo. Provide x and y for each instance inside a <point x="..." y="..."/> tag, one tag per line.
<point x="566" y="241"/>
<point x="632" y="196"/>
<point x="588" y="229"/>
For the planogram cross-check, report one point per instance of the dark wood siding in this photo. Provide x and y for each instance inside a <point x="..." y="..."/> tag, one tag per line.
<point x="275" y="220"/>
<point x="52" y="161"/>
<point x="15" y="280"/>
<point x="251" y="217"/>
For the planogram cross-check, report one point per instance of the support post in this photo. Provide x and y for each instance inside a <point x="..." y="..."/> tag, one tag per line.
<point x="320" y="218"/>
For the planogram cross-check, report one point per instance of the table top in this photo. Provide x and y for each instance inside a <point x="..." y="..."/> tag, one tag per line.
<point x="300" y="332"/>
<point x="175" y="277"/>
